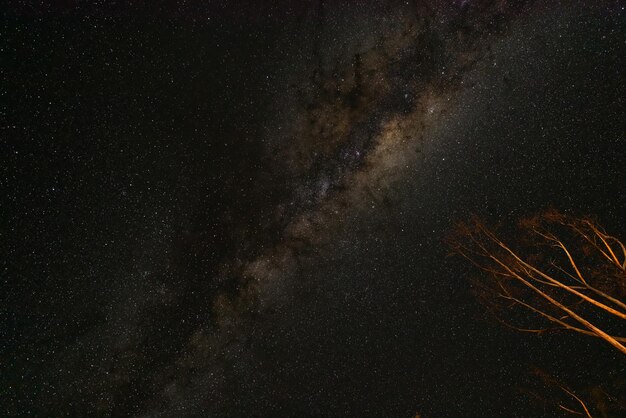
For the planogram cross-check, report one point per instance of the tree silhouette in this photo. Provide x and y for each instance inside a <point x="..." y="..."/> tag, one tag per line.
<point x="567" y="271"/>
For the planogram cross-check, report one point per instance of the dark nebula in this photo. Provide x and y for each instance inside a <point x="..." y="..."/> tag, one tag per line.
<point x="238" y="210"/>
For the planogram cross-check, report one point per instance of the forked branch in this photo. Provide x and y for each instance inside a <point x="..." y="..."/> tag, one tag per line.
<point x="566" y="270"/>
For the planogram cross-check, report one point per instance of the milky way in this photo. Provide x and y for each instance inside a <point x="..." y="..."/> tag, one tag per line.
<point x="240" y="211"/>
<point x="363" y="125"/>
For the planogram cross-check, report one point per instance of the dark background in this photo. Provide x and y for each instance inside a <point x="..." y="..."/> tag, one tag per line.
<point x="134" y="167"/>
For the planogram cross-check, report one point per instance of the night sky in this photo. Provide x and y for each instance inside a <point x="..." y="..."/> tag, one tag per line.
<point x="239" y="208"/>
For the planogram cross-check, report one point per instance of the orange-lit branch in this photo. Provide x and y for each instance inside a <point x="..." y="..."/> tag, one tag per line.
<point x="580" y="293"/>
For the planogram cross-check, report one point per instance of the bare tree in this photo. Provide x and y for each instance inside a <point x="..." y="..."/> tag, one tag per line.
<point x="567" y="271"/>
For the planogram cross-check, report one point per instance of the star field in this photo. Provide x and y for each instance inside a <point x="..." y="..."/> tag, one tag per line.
<point x="239" y="210"/>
